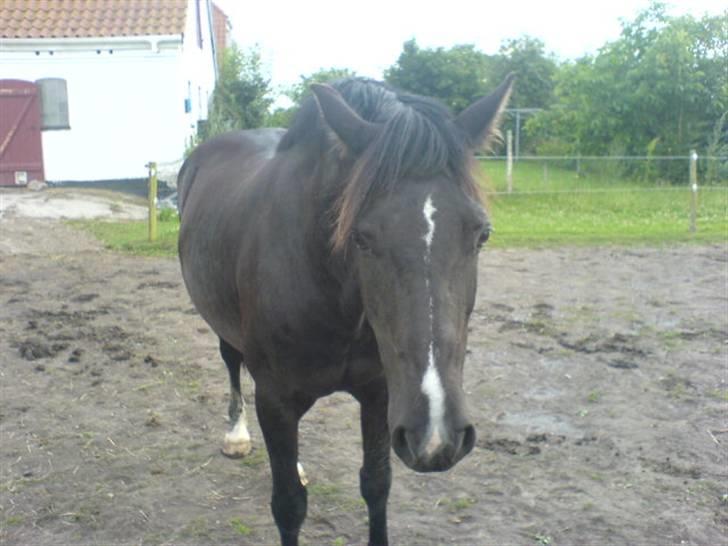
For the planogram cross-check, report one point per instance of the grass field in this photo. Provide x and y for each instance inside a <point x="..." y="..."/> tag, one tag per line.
<point x="132" y="237"/>
<point x="546" y="208"/>
<point x="553" y="206"/>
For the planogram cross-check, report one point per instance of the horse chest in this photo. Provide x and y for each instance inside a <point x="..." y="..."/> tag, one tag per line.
<point x="317" y="365"/>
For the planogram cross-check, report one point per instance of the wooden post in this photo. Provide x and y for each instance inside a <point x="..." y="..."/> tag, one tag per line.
<point x="152" y="200"/>
<point x="509" y="160"/>
<point x="693" y="189"/>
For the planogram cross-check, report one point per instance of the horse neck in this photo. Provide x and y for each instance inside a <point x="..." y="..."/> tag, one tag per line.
<point x="325" y="174"/>
<point x="326" y="177"/>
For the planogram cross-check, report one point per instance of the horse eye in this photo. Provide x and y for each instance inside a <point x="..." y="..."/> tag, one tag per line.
<point x="362" y="241"/>
<point x="483" y="237"/>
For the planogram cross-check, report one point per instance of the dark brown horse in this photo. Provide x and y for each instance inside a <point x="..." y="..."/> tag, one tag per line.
<point x="341" y="255"/>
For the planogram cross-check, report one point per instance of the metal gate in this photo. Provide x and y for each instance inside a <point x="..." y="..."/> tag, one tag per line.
<point x="21" y="149"/>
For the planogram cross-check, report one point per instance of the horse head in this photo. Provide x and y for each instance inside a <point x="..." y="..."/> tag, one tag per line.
<point x="411" y="225"/>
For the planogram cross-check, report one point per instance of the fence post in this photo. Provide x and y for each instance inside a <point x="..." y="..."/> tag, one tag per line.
<point x="578" y="165"/>
<point x="693" y="189"/>
<point x="152" y="200"/>
<point x="509" y="160"/>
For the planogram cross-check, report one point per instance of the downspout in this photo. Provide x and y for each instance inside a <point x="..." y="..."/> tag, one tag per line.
<point x="213" y="44"/>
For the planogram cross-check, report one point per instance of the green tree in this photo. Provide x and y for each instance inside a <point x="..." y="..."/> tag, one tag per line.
<point x="658" y="89"/>
<point x="302" y="89"/>
<point x="281" y="117"/>
<point x="242" y="93"/>
<point x="457" y="76"/>
<point x="534" y="88"/>
<point x="535" y="68"/>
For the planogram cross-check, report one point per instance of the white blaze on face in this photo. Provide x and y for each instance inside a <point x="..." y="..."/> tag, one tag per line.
<point x="432" y="388"/>
<point x="431" y="385"/>
<point x="429" y="211"/>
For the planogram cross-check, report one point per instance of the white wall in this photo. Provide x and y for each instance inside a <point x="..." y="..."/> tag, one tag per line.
<point x="198" y="68"/>
<point x="126" y="108"/>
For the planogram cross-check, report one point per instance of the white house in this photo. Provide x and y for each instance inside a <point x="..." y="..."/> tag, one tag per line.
<point x="138" y="77"/>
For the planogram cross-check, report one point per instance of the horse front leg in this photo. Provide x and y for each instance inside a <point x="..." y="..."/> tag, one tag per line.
<point x="278" y="418"/>
<point x="375" y="476"/>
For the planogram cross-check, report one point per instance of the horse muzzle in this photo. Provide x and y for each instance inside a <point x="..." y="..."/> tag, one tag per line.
<point x="434" y="452"/>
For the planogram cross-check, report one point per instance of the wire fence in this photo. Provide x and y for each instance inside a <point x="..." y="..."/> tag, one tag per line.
<point x="603" y="157"/>
<point x="688" y="190"/>
<point x="621" y="190"/>
<point x="692" y="189"/>
<point x="561" y="173"/>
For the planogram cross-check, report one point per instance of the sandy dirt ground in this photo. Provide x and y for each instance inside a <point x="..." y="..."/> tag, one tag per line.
<point x="70" y="204"/>
<point x="597" y="381"/>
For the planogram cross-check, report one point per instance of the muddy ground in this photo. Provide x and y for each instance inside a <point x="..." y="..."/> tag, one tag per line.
<point x="596" y="379"/>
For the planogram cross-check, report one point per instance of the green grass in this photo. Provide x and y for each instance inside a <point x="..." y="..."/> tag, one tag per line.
<point x="462" y="503"/>
<point x="324" y="490"/>
<point x="563" y="209"/>
<point x="719" y="394"/>
<point x="13" y="520"/>
<point x="547" y="208"/>
<point x="594" y="397"/>
<point x="545" y="540"/>
<point x="239" y="527"/>
<point x="255" y="458"/>
<point x="133" y="237"/>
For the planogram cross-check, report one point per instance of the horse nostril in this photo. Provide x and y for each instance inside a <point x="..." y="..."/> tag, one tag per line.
<point x="468" y="441"/>
<point x="399" y="442"/>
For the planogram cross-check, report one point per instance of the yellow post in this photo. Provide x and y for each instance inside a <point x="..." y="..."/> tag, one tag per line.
<point x="152" y="200"/>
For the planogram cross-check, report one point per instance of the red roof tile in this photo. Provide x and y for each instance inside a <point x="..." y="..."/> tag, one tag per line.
<point x="90" y="18"/>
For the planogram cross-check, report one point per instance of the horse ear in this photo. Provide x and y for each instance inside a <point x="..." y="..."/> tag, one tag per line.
<point x="355" y="132"/>
<point x="481" y="119"/>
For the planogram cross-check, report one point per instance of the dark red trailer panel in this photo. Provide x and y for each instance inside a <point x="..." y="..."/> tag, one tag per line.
<point x="21" y="149"/>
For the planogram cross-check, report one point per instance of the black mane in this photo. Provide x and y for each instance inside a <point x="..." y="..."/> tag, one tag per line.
<point x="367" y="97"/>
<point x="418" y="140"/>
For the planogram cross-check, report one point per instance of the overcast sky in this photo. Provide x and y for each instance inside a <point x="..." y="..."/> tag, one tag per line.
<point x="301" y="36"/>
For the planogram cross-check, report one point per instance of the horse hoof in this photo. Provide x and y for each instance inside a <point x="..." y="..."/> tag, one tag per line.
<point x="236" y="449"/>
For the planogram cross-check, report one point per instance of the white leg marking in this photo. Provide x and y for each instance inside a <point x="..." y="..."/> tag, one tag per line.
<point x="237" y="441"/>
<point x="302" y="474"/>
<point x="431" y="385"/>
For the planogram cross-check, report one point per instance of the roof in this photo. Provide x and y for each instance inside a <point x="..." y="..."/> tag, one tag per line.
<point x="90" y="18"/>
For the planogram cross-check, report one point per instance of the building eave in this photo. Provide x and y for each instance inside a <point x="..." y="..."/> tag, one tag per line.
<point x="150" y="42"/>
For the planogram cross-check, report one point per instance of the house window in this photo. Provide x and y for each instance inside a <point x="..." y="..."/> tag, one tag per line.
<point x="188" y="99"/>
<point x="53" y="104"/>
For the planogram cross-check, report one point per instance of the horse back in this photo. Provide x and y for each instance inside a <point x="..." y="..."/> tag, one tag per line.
<point x="238" y="152"/>
<point x="213" y="199"/>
